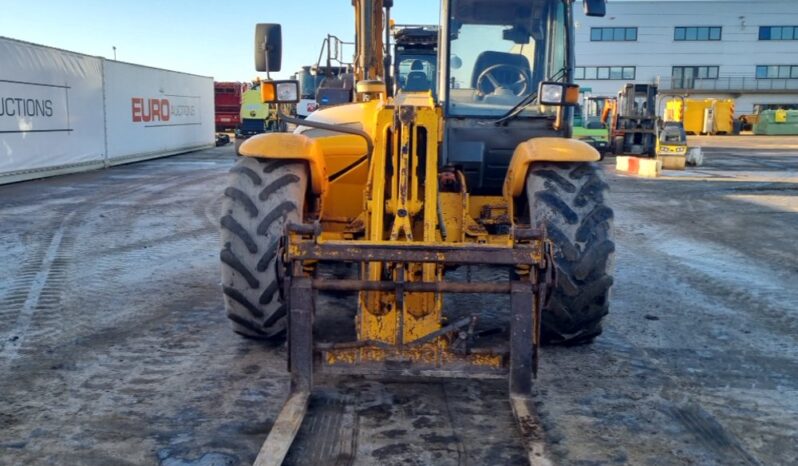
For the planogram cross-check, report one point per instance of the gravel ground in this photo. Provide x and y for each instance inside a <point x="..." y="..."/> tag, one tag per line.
<point x="114" y="348"/>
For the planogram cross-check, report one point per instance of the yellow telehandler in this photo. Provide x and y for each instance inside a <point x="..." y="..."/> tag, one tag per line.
<point x="409" y="187"/>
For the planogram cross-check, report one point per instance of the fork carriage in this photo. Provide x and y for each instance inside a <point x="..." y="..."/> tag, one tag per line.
<point x="389" y="349"/>
<point x="387" y="344"/>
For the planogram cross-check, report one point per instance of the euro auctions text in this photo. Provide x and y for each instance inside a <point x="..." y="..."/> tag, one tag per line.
<point x="24" y="107"/>
<point x="152" y="110"/>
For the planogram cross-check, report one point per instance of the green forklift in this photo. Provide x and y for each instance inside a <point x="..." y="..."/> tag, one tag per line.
<point x="591" y="120"/>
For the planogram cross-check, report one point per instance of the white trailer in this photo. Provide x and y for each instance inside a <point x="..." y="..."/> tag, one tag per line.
<point x="63" y="112"/>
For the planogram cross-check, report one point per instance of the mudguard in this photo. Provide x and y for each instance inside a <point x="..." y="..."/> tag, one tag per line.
<point x="544" y="150"/>
<point x="291" y="146"/>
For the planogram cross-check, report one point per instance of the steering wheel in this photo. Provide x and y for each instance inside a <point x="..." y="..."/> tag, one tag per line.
<point x="490" y="75"/>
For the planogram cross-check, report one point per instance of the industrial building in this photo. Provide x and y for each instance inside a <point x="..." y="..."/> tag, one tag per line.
<point x="726" y="49"/>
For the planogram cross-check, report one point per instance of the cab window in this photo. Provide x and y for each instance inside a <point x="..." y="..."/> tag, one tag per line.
<point x="417" y="73"/>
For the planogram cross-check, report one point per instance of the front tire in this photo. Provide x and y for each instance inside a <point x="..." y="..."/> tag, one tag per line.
<point x="262" y="196"/>
<point x="569" y="200"/>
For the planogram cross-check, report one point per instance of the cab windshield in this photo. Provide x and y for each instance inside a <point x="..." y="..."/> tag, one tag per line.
<point x="307" y="83"/>
<point x="500" y="51"/>
<point x="595" y="107"/>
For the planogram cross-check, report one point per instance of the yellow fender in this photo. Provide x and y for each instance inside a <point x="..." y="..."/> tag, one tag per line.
<point x="291" y="146"/>
<point x="544" y="150"/>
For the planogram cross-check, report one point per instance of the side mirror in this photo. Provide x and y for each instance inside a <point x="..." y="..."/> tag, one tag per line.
<point x="268" y="47"/>
<point x="597" y="8"/>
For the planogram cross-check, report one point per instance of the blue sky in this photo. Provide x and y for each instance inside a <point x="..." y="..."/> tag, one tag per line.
<point x="202" y="37"/>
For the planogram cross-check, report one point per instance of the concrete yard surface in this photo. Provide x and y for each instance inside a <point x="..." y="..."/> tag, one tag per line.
<point x="114" y="346"/>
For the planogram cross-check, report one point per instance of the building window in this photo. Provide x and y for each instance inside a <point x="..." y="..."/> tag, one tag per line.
<point x="684" y="77"/>
<point x="615" y="73"/>
<point x="697" y="33"/>
<point x="778" y="33"/>
<point x="777" y="72"/>
<point x="613" y="34"/>
<point x="759" y="108"/>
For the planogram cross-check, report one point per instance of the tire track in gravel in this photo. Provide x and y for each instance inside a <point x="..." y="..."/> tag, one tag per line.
<point x="99" y="375"/>
<point x="211" y="211"/>
<point x="18" y="289"/>
<point x="144" y="232"/>
<point x="662" y="384"/>
<point x="667" y="395"/>
<point x="222" y="404"/>
<point x="34" y="300"/>
<point x="737" y="281"/>
<point x="50" y="271"/>
<point x="712" y="434"/>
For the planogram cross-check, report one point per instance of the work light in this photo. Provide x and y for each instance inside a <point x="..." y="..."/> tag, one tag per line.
<point x="558" y="94"/>
<point x="279" y="92"/>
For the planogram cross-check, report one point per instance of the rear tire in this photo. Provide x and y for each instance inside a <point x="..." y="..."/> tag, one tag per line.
<point x="261" y="197"/>
<point x="569" y="200"/>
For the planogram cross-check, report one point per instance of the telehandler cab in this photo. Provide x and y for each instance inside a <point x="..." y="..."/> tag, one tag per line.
<point x="409" y="187"/>
<point x="415" y="60"/>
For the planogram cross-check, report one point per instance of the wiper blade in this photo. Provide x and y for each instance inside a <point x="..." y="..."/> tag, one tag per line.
<point x="517" y="109"/>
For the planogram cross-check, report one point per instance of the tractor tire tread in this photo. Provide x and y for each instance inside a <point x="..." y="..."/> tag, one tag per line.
<point x="246" y="202"/>
<point x="276" y="185"/>
<point x="261" y="197"/>
<point x="249" y="173"/>
<point x="579" y="224"/>
<point x="280" y="212"/>
<point x="230" y="224"/>
<point x="558" y="180"/>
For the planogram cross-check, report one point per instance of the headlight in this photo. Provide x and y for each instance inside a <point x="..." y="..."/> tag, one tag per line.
<point x="551" y="93"/>
<point x="279" y="92"/>
<point x="288" y="92"/>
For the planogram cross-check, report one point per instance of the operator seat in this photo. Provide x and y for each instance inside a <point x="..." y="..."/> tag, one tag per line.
<point x="490" y="58"/>
<point x="417" y="79"/>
